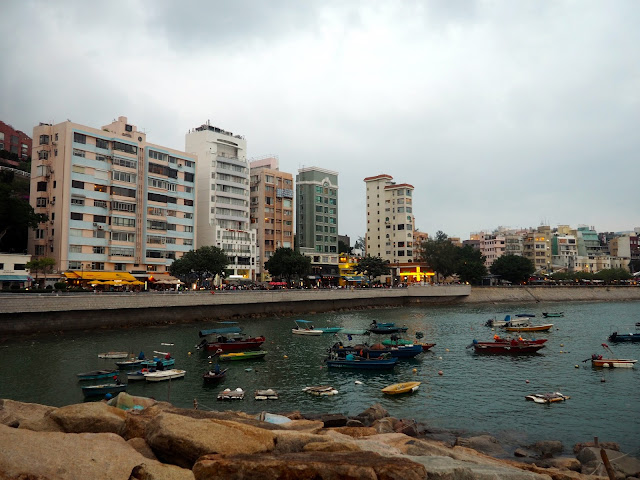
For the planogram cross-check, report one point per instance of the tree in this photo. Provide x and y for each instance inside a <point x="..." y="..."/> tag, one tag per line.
<point x="343" y="247"/>
<point x="440" y="254"/>
<point x="514" y="268"/>
<point x="470" y="267"/>
<point x="610" y="275"/>
<point x="372" y="267"/>
<point x="359" y="245"/>
<point x="205" y="261"/>
<point x="287" y="263"/>
<point x="16" y="215"/>
<point x="44" y="265"/>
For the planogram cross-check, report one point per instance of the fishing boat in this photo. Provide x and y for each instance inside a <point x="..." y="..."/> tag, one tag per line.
<point x="97" y="375"/>
<point x="624" y="337"/>
<point x="547" y="397"/>
<point x="305" y="327"/>
<point x="599" y="361"/>
<point x="228" y="394"/>
<point x="508" y="321"/>
<point x="553" y="314"/>
<point x="530" y="328"/>
<point x="377" y="350"/>
<point x="386" y="328"/>
<point x="269" y="394"/>
<point x="229" y="339"/>
<point x="131" y="363"/>
<point x="161" y="375"/>
<point x="235" y="356"/>
<point x="400" y="388"/>
<point x="113" y="355"/>
<point x="395" y="340"/>
<point x="154" y="363"/>
<point x="137" y="375"/>
<point x="102" y="390"/>
<point x="321" y="390"/>
<point x="353" y="361"/>
<point x="513" y="346"/>
<point x="329" y="329"/>
<point x="212" y="377"/>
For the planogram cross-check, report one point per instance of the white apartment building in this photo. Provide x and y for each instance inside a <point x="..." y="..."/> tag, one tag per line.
<point x="222" y="201"/>
<point x="492" y="246"/>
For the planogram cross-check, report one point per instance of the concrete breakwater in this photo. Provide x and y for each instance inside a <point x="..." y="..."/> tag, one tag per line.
<point x="65" y="312"/>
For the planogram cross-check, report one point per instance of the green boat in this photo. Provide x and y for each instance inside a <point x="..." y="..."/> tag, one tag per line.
<point x="235" y="356"/>
<point x="553" y="314"/>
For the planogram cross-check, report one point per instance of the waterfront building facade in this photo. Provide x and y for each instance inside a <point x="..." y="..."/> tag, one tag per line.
<point x="492" y="247"/>
<point x="16" y="142"/>
<point x="13" y="271"/>
<point x="317" y="222"/>
<point x="114" y="201"/>
<point x="537" y="248"/>
<point x="222" y="186"/>
<point x="271" y="210"/>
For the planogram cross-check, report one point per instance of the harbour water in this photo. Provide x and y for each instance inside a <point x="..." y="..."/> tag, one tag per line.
<point x="475" y="393"/>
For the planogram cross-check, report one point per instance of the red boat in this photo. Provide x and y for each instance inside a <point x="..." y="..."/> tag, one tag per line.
<point x="513" y="346"/>
<point x="235" y="344"/>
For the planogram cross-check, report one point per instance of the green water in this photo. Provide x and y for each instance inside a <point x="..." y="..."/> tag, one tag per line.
<point x="475" y="393"/>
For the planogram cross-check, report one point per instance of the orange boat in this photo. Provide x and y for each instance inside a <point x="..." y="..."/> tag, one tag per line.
<point x="530" y="328"/>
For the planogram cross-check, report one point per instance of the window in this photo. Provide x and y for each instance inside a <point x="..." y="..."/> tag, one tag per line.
<point x="123" y="192"/>
<point x="100" y="143"/>
<point x="97" y="266"/>
<point x="123" y="221"/>
<point x="125" y="162"/>
<point x="187" y="241"/>
<point x="120" y="267"/>
<point x="75" y="248"/>
<point x="79" y="153"/>
<point x="188" y="177"/>
<point x="121" y="252"/>
<point x="188" y="228"/>
<point x="76" y="216"/>
<point x="123" y="237"/>
<point x="123" y="176"/>
<point x="100" y="188"/>
<point x="79" y="138"/>
<point x="125" y="147"/>
<point x="39" y="250"/>
<point x="188" y="203"/>
<point x="43" y="155"/>
<point x="100" y="203"/>
<point x="100" y="218"/>
<point x="42" y="186"/>
<point x="123" y="206"/>
<point x="39" y="234"/>
<point x="44" y="139"/>
<point x="77" y="184"/>
<point x="41" y="202"/>
<point x="98" y="250"/>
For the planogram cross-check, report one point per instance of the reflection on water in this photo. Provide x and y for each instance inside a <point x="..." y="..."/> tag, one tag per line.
<point x="474" y="392"/>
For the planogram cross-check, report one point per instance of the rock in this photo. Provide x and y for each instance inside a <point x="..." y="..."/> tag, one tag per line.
<point x="140" y="446"/>
<point x="290" y="441"/>
<point x="307" y="465"/>
<point x="31" y="416"/>
<point x="311" y="426"/>
<point x="547" y="448"/>
<point x="483" y="443"/>
<point x="182" y="440"/>
<point x="521" y="453"/>
<point x="446" y="468"/>
<point x="606" y="445"/>
<point x="25" y="454"/>
<point x="563" y="463"/>
<point x="354" y="423"/>
<point x="331" y="420"/>
<point x="371" y="414"/>
<point x="384" y="425"/>
<point x="160" y="471"/>
<point x="93" y="417"/>
<point x="591" y="462"/>
<point x="408" y="427"/>
<point x="8" y="419"/>
<point x="356" y="432"/>
<point x="330" y="447"/>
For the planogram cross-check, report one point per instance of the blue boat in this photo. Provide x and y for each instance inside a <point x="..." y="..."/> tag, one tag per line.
<point x="624" y="337"/>
<point x="329" y="329"/>
<point x="220" y="331"/>
<point x="378" y="350"/>
<point x="362" y="363"/>
<point x="128" y="364"/>
<point x="97" y="375"/>
<point x="166" y="362"/>
<point x="102" y="390"/>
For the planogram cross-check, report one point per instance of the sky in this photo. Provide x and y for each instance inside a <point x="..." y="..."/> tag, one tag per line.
<point x="499" y="113"/>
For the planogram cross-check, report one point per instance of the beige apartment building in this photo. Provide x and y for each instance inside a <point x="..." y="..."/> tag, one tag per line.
<point x="115" y="202"/>
<point x="271" y="210"/>
<point x="537" y="248"/>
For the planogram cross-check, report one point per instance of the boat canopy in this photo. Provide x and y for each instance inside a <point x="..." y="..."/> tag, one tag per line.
<point x="304" y="321"/>
<point x="214" y="331"/>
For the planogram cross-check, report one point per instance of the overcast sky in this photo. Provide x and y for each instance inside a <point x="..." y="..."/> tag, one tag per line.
<point x="499" y="113"/>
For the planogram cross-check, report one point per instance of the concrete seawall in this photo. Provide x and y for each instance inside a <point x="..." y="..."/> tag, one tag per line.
<point x="23" y="314"/>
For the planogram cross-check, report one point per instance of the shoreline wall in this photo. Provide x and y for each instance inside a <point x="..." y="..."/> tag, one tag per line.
<point x="26" y="314"/>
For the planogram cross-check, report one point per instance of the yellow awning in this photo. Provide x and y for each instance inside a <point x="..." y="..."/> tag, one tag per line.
<point x="102" y="276"/>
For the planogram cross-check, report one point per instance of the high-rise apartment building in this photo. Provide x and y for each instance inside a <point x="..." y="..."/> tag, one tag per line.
<point x="536" y="246"/>
<point x="115" y="202"/>
<point x="16" y="142"/>
<point x="317" y="221"/>
<point x="223" y="197"/>
<point x="271" y="209"/>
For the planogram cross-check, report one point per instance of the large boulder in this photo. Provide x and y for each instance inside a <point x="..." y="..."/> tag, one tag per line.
<point x="384" y="425"/>
<point x="182" y="440"/>
<point x="547" y="448"/>
<point x="591" y="462"/>
<point x="290" y="441"/>
<point x="308" y="465"/>
<point x="55" y="455"/>
<point x="356" y="432"/>
<point x="31" y="416"/>
<point x="371" y="414"/>
<point x="93" y="417"/>
<point x="483" y="443"/>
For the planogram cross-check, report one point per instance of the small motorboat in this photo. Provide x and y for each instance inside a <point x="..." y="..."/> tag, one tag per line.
<point x="136" y="375"/>
<point x="249" y="355"/>
<point x="329" y="329"/>
<point x="97" y="375"/>
<point x="547" y="397"/>
<point x="529" y="328"/>
<point x="161" y="375"/>
<point x="508" y="321"/>
<point x="321" y="390"/>
<point x="354" y="361"/>
<point x="599" y="361"/>
<point x="213" y="377"/>
<point x="228" y="394"/>
<point x="269" y="394"/>
<point x="624" y="337"/>
<point x="102" y="390"/>
<point x="508" y="346"/>
<point x="400" y="388"/>
<point x="305" y="327"/>
<point x="113" y="355"/>
<point x="553" y="314"/>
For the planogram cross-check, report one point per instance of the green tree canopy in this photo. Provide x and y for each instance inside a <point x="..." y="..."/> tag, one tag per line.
<point x="343" y="247"/>
<point x="513" y="268"/>
<point x="205" y="261"/>
<point x="44" y="265"/>
<point x="372" y="267"/>
<point x="609" y="275"/>
<point x="440" y="254"/>
<point x="286" y="263"/>
<point x="470" y="265"/>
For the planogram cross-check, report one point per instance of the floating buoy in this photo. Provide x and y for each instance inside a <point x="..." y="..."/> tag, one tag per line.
<point x="284" y="356"/>
<point x="446" y="349"/>
<point x="247" y="369"/>
<point x="188" y="353"/>
<point x="526" y="381"/>
<point x="415" y="370"/>
<point x="439" y="358"/>
<point x="577" y="366"/>
<point x="440" y="372"/>
<point x="358" y="382"/>
<point x="562" y="344"/>
<point x="210" y="362"/>
<point x="602" y="380"/>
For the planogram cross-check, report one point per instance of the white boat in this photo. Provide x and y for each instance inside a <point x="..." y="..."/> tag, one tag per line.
<point x="269" y="394"/>
<point x="304" y="327"/>
<point x="228" y="394"/>
<point x="160" y="375"/>
<point x="113" y="355"/>
<point x="321" y="390"/>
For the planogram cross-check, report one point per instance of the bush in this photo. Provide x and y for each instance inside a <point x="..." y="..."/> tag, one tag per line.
<point x="60" y="285"/>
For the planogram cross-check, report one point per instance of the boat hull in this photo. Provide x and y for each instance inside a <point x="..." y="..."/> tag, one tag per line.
<point x="532" y="328"/>
<point x="101" y="390"/>
<point x="613" y="363"/>
<point x="212" y="377"/>
<point x="113" y="355"/>
<point x="239" y="356"/>
<point x="163" y="375"/>
<point x="513" y="347"/>
<point x="624" y="337"/>
<point x="363" y="364"/>
<point x="253" y="343"/>
<point x="304" y="331"/>
<point x="400" y="388"/>
<point x="97" y="375"/>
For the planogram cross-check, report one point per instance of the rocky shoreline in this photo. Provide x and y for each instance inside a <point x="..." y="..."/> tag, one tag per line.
<point x="137" y="438"/>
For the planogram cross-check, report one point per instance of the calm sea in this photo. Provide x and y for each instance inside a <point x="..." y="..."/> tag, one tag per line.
<point x="475" y="393"/>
